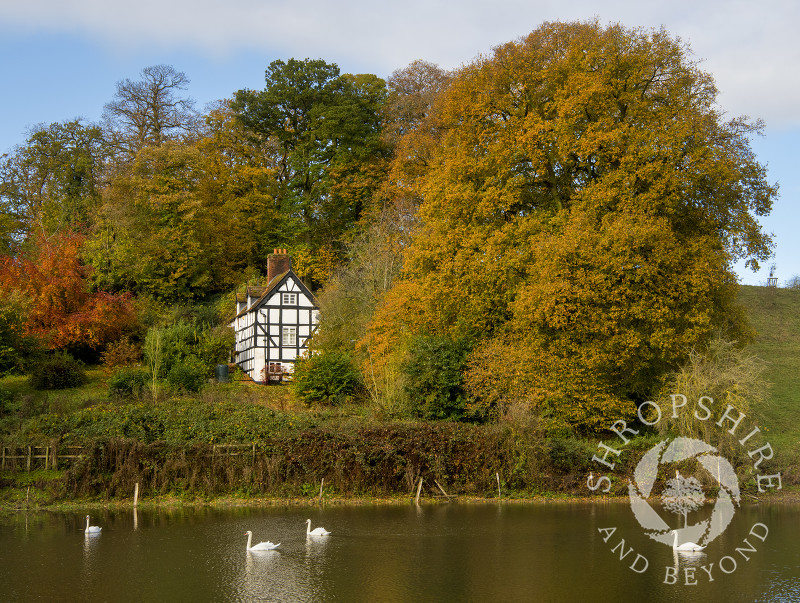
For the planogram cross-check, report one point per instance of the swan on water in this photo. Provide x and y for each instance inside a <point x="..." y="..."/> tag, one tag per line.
<point x="315" y="531"/>
<point x="686" y="546"/>
<point x="91" y="529"/>
<point x="261" y="546"/>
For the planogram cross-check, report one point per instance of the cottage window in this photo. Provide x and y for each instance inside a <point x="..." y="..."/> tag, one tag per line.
<point x="289" y="299"/>
<point x="289" y="337"/>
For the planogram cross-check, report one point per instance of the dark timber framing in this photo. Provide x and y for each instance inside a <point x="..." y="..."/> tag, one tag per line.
<point x="260" y="349"/>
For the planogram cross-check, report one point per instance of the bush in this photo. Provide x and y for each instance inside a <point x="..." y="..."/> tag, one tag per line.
<point x="57" y="371"/>
<point x="435" y="375"/>
<point x="188" y="375"/>
<point x="120" y="354"/>
<point x="569" y="454"/>
<point x="728" y="374"/>
<point x="128" y="382"/>
<point x="182" y="342"/>
<point x="15" y="348"/>
<point x="215" y="345"/>
<point x="326" y="378"/>
<point x="6" y="400"/>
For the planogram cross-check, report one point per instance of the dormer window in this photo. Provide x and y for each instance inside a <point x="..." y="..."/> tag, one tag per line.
<point x="289" y="299"/>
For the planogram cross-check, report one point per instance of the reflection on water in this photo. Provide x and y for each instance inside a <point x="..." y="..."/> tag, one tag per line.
<point x="447" y="552"/>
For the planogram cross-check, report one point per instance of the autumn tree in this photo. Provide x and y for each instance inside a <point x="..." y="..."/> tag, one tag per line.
<point x="410" y="125"/>
<point x="413" y="91"/>
<point x="151" y="110"/>
<point x="582" y="212"/>
<point x="189" y="217"/>
<point x="51" y="288"/>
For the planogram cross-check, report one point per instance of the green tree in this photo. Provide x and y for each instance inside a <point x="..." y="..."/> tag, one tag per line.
<point x="435" y="377"/>
<point x="188" y="217"/>
<point x="323" y="132"/>
<point x="585" y="203"/>
<point x="52" y="182"/>
<point x="149" y="234"/>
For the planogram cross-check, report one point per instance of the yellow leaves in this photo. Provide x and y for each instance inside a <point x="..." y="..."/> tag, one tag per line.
<point x="318" y="265"/>
<point x="581" y="207"/>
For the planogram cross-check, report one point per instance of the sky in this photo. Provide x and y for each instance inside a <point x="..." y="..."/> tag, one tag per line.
<point x="62" y="58"/>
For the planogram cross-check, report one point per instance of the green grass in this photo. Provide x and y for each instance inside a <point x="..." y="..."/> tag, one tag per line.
<point x="775" y="315"/>
<point x="28" y="401"/>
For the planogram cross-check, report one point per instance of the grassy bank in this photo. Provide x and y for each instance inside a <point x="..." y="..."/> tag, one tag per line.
<point x="775" y="315"/>
<point x="173" y="447"/>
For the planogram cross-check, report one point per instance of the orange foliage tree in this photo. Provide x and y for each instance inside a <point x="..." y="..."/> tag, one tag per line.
<point x="52" y="288"/>
<point x="580" y="217"/>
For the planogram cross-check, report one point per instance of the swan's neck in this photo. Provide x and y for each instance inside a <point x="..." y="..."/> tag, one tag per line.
<point x="249" y="539"/>
<point x="308" y="527"/>
<point x="675" y="542"/>
<point x="87" y="523"/>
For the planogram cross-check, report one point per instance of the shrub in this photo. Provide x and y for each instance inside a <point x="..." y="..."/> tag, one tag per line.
<point x="128" y="382"/>
<point x="185" y="342"/>
<point x="189" y="374"/>
<point x="215" y="345"/>
<point x="15" y="348"/>
<point x="326" y="378"/>
<point x="569" y="454"/>
<point x="435" y="375"/>
<point x="57" y="371"/>
<point x="6" y="400"/>
<point x="728" y="374"/>
<point x="121" y="353"/>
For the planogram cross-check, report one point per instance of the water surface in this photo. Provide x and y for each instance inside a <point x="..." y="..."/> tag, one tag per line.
<point x="443" y="552"/>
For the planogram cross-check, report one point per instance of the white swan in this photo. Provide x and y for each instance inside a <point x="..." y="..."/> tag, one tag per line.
<point x="261" y="546"/>
<point x="686" y="546"/>
<point x="315" y="531"/>
<point x="91" y="529"/>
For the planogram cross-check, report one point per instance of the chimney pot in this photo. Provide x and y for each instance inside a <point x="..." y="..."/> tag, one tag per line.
<point x="278" y="263"/>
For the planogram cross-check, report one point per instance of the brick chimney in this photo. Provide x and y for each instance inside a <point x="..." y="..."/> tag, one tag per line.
<point x="278" y="262"/>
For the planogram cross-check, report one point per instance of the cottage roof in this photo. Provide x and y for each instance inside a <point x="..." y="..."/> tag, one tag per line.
<point x="274" y="283"/>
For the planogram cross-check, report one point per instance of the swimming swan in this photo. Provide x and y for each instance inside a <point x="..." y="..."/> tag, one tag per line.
<point x="315" y="531"/>
<point x="91" y="529"/>
<point x="261" y="546"/>
<point x="686" y="546"/>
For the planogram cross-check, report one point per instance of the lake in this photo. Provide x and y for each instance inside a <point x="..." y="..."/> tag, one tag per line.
<point x="385" y="553"/>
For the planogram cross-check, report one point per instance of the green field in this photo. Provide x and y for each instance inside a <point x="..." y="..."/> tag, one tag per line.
<point x="775" y="315"/>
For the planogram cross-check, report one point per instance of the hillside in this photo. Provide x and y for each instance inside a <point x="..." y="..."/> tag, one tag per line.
<point x="775" y="315"/>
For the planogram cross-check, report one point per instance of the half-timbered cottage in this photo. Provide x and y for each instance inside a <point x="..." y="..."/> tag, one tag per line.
<point x="273" y="323"/>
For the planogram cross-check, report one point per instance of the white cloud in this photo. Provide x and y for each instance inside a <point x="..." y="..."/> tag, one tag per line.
<point x="752" y="49"/>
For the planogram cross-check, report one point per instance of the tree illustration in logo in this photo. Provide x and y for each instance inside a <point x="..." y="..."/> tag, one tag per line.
<point x="683" y="495"/>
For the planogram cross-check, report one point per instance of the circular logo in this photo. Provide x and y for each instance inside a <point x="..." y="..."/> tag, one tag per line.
<point x="683" y="495"/>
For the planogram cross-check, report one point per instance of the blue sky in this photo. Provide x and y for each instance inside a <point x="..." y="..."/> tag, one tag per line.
<point x="62" y="58"/>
